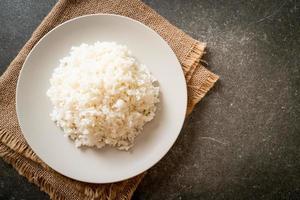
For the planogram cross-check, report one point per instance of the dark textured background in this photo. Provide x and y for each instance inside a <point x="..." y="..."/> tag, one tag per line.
<point x="243" y="139"/>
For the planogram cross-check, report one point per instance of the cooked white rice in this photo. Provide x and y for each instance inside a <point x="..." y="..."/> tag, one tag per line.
<point x="102" y="96"/>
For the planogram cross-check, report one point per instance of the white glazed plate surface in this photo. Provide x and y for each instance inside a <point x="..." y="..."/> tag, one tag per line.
<point x="107" y="164"/>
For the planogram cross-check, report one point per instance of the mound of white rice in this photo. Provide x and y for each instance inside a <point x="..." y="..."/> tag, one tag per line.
<point x="102" y="95"/>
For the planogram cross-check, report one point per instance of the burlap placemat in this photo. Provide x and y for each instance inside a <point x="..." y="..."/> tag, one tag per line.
<point x="13" y="147"/>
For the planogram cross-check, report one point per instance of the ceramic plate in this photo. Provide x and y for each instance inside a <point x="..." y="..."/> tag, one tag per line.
<point x="107" y="164"/>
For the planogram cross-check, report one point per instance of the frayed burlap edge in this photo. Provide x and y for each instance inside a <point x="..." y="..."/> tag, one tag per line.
<point x="19" y="147"/>
<point x="199" y="91"/>
<point x="195" y="91"/>
<point x="192" y="59"/>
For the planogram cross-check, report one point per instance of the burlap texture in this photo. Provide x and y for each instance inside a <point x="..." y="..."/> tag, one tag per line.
<point x="13" y="147"/>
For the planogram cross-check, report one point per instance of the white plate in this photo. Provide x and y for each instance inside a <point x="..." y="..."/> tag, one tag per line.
<point x="107" y="164"/>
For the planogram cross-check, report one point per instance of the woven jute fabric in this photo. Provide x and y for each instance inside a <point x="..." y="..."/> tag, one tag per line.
<point x="13" y="147"/>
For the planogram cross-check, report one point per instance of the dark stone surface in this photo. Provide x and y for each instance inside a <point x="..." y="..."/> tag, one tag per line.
<point x="243" y="139"/>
